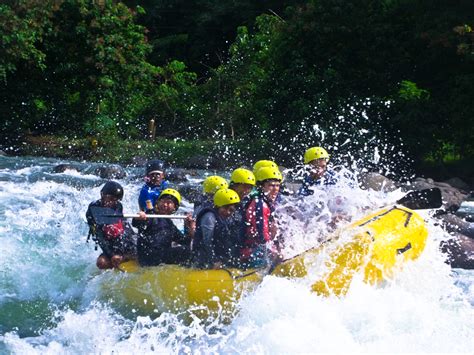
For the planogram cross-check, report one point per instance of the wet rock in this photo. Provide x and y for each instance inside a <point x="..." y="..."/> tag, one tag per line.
<point x="466" y="209"/>
<point x="459" y="251"/>
<point x="2" y="153"/>
<point x="458" y="184"/>
<point x="177" y="175"/>
<point x="455" y="224"/>
<point x="377" y="182"/>
<point x="61" y="168"/>
<point x="110" y="172"/>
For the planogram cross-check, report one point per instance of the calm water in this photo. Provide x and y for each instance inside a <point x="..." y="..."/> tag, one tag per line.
<point x="50" y="300"/>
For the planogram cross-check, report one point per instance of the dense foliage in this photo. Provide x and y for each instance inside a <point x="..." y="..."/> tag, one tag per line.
<point x="288" y="72"/>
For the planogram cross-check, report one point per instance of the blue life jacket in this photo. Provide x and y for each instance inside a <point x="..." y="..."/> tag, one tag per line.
<point x="328" y="179"/>
<point x="150" y="193"/>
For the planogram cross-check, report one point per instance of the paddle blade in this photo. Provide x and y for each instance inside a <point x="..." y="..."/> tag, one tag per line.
<point x="105" y="215"/>
<point x="422" y="199"/>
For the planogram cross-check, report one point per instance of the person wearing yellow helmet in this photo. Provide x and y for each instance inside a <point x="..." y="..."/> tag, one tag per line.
<point x="214" y="244"/>
<point x="209" y="187"/>
<point x="318" y="174"/>
<point x="159" y="240"/>
<point x="263" y="163"/>
<point x="242" y="181"/>
<point x="260" y="231"/>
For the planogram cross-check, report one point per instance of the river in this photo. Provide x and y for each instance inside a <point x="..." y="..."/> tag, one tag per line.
<point x="50" y="301"/>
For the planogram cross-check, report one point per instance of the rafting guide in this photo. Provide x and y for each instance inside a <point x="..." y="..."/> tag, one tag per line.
<point x="155" y="182"/>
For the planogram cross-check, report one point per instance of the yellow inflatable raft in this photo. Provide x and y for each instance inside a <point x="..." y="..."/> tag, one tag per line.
<point x="373" y="247"/>
<point x="179" y="289"/>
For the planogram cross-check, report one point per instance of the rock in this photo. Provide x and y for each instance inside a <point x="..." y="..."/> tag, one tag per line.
<point x="377" y="182"/>
<point x="455" y="224"/>
<point x="2" y="153"/>
<point x="176" y="175"/>
<point x="61" y="168"/>
<point x="458" y="184"/>
<point x="459" y="251"/>
<point x="110" y="172"/>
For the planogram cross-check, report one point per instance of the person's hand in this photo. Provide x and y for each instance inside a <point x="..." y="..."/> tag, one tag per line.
<point x="141" y="216"/>
<point x="190" y="224"/>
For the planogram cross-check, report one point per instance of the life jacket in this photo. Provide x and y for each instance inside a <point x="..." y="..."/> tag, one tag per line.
<point x="225" y="246"/>
<point x="257" y="220"/>
<point x="328" y="179"/>
<point x="149" y="194"/>
<point x="112" y="239"/>
<point x="154" y="244"/>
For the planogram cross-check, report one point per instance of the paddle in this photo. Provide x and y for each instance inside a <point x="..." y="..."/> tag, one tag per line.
<point x="422" y="199"/>
<point x="105" y="215"/>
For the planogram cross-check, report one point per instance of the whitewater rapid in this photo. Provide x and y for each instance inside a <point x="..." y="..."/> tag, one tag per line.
<point x="49" y="301"/>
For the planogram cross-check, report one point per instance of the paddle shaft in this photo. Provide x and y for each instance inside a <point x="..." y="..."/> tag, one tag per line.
<point x="155" y="216"/>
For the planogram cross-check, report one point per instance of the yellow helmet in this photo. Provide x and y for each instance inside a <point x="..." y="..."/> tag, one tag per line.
<point x="267" y="173"/>
<point x="242" y="176"/>
<point x="214" y="183"/>
<point x="315" y="153"/>
<point x="172" y="193"/>
<point x="263" y="163"/>
<point x="224" y="197"/>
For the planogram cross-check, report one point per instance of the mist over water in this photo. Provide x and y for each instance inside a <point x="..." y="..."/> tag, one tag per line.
<point x="50" y="288"/>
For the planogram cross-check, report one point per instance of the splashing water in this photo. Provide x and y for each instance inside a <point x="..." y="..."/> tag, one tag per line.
<point x="49" y="300"/>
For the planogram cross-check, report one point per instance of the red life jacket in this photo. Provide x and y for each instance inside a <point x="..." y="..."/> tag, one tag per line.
<point x="113" y="231"/>
<point x="258" y="219"/>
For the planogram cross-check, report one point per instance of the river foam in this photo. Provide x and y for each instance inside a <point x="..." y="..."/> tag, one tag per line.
<point x="49" y="302"/>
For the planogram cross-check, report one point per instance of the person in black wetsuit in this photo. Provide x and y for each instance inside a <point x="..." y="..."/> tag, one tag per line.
<point x="159" y="240"/>
<point x="214" y="245"/>
<point x="116" y="240"/>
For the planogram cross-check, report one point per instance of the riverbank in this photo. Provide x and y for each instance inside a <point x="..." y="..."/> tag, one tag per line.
<point x="200" y="154"/>
<point x="197" y="154"/>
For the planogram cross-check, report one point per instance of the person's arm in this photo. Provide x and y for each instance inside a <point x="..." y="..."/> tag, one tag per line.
<point x="90" y="218"/>
<point x="189" y="225"/>
<point x="208" y="225"/>
<point x="179" y="237"/>
<point x="142" y="198"/>
<point x="140" y="222"/>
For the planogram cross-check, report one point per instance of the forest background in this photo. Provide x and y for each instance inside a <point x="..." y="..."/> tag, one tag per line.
<point x="253" y="79"/>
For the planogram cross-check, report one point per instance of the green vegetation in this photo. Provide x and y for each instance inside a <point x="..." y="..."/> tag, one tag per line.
<point x="234" y="72"/>
<point x="176" y="152"/>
